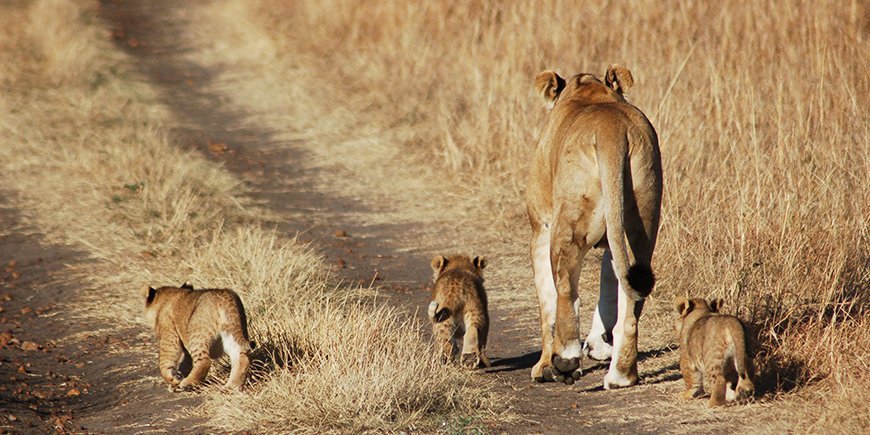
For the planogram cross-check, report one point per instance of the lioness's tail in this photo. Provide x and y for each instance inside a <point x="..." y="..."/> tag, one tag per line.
<point x="745" y="388"/>
<point x="637" y="278"/>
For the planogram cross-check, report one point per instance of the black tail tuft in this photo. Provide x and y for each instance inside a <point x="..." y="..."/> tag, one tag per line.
<point x="442" y="315"/>
<point x="641" y="279"/>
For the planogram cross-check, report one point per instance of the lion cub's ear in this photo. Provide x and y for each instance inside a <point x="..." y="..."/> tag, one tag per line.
<point x="148" y="293"/>
<point x="618" y="78"/>
<point x="716" y="305"/>
<point x="548" y="85"/>
<point x="439" y="262"/>
<point x="479" y="262"/>
<point x="683" y="305"/>
<point x="187" y="285"/>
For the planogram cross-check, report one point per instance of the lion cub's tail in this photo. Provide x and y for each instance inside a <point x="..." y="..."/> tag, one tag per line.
<point x="638" y="277"/>
<point x="745" y="388"/>
<point x="438" y="312"/>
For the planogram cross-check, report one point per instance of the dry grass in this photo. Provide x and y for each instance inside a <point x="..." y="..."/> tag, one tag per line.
<point x="85" y="154"/>
<point x="760" y="110"/>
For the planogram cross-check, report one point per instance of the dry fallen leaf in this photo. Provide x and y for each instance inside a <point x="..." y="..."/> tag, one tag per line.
<point x="29" y="346"/>
<point x="217" y="148"/>
<point x="341" y="233"/>
<point x="73" y="392"/>
<point x="133" y="42"/>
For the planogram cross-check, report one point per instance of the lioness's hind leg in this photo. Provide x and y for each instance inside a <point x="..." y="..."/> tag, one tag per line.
<point x="546" y="292"/>
<point x="599" y="341"/>
<point x="623" y="362"/>
<point x="567" y="351"/>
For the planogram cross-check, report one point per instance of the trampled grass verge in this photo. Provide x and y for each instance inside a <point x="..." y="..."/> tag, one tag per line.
<point x="86" y="153"/>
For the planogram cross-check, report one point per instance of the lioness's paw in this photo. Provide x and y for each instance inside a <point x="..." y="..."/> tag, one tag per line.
<point x="541" y="372"/>
<point x="567" y="370"/>
<point x="614" y="379"/>
<point x="596" y="348"/>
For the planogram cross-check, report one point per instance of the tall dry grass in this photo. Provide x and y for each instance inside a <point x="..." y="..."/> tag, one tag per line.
<point x="85" y="153"/>
<point x="760" y="109"/>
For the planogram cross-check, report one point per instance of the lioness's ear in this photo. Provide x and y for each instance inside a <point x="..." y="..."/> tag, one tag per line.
<point x="618" y="78"/>
<point x="716" y="305"/>
<point x="548" y="85"/>
<point x="479" y="262"/>
<point x="683" y="305"/>
<point x="439" y="262"/>
<point x="186" y="285"/>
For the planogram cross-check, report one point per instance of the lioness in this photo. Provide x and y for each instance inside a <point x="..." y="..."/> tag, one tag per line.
<point x="712" y="352"/>
<point x="460" y="320"/>
<point x="595" y="181"/>
<point x="195" y="326"/>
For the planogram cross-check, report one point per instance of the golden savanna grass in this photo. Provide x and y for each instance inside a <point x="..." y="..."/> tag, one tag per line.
<point x="85" y="154"/>
<point x="761" y="113"/>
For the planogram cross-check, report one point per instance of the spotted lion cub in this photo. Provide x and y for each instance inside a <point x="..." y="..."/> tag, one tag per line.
<point x="458" y="310"/>
<point x="712" y="352"/>
<point x="195" y="326"/>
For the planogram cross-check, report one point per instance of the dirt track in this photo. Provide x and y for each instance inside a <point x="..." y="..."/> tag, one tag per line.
<point x="284" y="177"/>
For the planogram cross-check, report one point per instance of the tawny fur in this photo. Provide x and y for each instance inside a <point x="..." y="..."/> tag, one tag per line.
<point x="595" y="181"/>
<point x="193" y="327"/>
<point x="713" y="356"/>
<point x="459" y="309"/>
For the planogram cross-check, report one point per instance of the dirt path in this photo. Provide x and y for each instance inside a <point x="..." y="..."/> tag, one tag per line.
<point x="285" y="176"/>
<point x="61" y="370"/>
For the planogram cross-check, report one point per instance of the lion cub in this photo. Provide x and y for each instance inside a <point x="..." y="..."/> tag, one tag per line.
<point x="194" y="327"/>
<point x="458" y="310"/>
<point x="712" y="352"/>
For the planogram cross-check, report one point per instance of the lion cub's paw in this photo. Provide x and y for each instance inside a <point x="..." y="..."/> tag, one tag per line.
<point x="177" y="377"/>
<point x="469" y="361"/>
